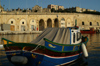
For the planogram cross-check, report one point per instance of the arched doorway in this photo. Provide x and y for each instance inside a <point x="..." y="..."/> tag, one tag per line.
<point x="33" y="26"/>
<point x="23" y="25"/>
<point x="62" y="22"/>
<point x="41" y="25"/>
<point x="12" y="24"/>
<point x="56" y="23"/>
<point x="49" y="23"/>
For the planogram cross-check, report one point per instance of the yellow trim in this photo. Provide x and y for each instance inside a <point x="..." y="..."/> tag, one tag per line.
<point x="39" y="62"/>
<point x="13" y="54"/>
<point x="62" y="48"/>
<point x="78" y="47"/>
<point x="5" y="42"/>
<point x="23" y="48"/>
<point x="10" y="42"/>
<point x="73" y="48"/>
<point x="34" y="56"/>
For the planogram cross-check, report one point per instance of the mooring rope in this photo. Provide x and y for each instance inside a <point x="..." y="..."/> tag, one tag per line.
<point x="35" y="47"/>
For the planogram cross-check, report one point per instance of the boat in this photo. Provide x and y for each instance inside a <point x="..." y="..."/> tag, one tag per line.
<point x="91" y="31"/>
<point x="53" y="47"/>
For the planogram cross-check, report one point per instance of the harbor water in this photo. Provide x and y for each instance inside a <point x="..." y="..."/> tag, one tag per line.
<point x="93" y="47"/>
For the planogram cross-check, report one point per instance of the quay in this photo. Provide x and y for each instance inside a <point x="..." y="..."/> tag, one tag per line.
<point x="19" y="32"/>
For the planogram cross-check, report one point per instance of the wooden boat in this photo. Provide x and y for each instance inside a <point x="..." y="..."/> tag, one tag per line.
<point x="91" y="31"/>
<point x="54" y="52"/>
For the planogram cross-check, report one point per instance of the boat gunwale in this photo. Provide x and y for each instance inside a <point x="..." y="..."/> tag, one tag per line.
<point x="66" y="44"/>
<point x="22" y="45"/>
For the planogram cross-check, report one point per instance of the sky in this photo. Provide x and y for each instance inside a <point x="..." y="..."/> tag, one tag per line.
<point x="14" y="4"/>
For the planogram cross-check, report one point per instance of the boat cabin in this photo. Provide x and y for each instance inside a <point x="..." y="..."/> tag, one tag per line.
<point x="75" y="36"/>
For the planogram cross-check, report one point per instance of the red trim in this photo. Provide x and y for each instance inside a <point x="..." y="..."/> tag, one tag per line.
<point x="57" y="57"/>
<point x="88" y="32"/>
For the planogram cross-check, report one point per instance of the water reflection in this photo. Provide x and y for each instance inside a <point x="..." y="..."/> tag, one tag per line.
<point x="26" y="38"/>
<point x="80" y="62"/>
<point x="93" y="47"/>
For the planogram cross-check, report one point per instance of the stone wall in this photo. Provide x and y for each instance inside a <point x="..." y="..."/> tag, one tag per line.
<point x="31" y="21"/>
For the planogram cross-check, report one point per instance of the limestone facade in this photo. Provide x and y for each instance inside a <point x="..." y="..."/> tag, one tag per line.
<point x="39" y="21"/>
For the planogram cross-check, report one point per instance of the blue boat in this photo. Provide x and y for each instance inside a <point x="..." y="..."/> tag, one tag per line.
<point x="53" y="47"/>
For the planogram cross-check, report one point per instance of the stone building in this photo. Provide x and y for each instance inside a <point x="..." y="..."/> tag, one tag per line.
<point x="39" y="9"/>
<point x="39" y="20"/>
<point x="78" y="9"/>
<point x="36" y="9"/>
<point x="56" y="7"/>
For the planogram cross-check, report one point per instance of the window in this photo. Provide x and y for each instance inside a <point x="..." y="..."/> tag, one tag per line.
<point x="78" y="36"/>
<point x="32" y="20"/>
<point x="73" y="37"/>
<point x="97" y="23"/>
<point x="11" y="22"/>
<point x="90" y="23"/>
<point x="82" y="23"/>
<point x="62" y="23"/>
<point x="22" y="22"/>
<point x="62" y="19"/>
<point x="36" y="11"/>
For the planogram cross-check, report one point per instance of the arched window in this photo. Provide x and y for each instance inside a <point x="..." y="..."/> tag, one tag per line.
<point x="82" y="23"/>
<point x="90" y="23"/>
<point x="11" y="22"/>
<point x="22" y="22"/>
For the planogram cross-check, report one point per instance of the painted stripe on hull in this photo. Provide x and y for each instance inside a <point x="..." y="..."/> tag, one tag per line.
<point x="50" y="60"/>
<point x="47" y="55"/>
<point x="57" y="57"/>
<point x="58" y="61"/>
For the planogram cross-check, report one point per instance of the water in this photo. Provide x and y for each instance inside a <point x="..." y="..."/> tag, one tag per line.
<point x="93" y="47"/>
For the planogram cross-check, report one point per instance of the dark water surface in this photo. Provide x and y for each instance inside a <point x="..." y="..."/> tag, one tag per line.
<point x="93" y="47"/>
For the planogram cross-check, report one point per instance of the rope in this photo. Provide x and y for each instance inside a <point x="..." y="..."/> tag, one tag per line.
<point x="36" y="47"/>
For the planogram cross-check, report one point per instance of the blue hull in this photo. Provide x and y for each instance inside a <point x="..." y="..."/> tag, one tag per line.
<point x="52" y="52"/>
<point x="35" y="59"/>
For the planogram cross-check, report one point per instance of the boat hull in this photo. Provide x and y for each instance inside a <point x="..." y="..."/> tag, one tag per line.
<point x="35" y="59"/>
<point x="38" y="55"/>
<point x="88" y="32"/>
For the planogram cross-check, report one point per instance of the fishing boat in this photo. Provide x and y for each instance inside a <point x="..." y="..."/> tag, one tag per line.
<point x="53" y="47"/>
<point x="91" y="31"/>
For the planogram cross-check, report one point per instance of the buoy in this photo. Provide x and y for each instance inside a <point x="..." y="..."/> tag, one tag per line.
<point x="19" y="60"/>
<point x="1" y="46"/>
<point x="85" y="52"/>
